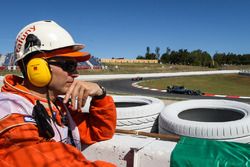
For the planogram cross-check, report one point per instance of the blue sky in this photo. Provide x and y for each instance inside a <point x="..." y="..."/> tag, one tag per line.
<point x="124" y="28"/>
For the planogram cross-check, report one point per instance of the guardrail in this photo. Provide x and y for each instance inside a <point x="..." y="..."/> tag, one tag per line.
<point x="245" y="72"/>
<point x="129" y="76"/>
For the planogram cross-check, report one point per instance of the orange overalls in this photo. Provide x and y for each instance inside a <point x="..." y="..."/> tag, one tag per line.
<point x="21" y="144"/>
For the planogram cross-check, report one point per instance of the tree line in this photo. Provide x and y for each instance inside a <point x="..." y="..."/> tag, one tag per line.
<point x="196" y="57"/>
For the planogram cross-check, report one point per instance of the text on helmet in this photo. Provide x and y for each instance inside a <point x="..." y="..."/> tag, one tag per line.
<point x="21" y="38"/>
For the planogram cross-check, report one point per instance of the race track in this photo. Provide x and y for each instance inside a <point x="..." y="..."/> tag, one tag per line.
<point x="124" y="86"/>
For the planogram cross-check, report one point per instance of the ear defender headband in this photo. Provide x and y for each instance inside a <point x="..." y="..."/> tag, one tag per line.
<point x="38" y="72"/>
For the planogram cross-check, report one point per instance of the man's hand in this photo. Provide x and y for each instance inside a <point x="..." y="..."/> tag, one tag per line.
<point x="80" y="90"/>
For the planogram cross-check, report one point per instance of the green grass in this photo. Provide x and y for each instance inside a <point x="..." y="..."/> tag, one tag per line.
<point x="228" y="84"/>
<point x="137" y="68"/>
<point x="4" y="72"/>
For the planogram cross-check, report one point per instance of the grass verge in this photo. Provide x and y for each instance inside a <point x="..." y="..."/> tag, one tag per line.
<point x="227" y="84"/>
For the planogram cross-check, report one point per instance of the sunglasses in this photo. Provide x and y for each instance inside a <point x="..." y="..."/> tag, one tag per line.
<point x="67" y="65"/>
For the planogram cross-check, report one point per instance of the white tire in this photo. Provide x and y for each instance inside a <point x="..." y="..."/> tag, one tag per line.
<point x="138" y="112"/>
<point x="170" y="121"/>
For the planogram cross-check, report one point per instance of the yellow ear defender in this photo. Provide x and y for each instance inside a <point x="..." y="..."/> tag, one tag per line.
<point x="38" y="72"/>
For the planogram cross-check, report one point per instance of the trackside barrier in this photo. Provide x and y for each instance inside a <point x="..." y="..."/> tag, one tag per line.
<point x="226" y="120"/>
<point x="173" y="74"/>
<point x="127" y="150"/>
<point x="128" y="76"/>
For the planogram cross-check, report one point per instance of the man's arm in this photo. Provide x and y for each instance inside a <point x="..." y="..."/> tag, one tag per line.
<point x="99" y="124"/>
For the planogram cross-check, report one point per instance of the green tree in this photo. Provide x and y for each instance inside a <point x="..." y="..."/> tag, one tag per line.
<point x="148" y="55"/>
<point x="219" y="58"/>
<point x="165" y="57"/>
<point x="157" y="53"/>
<point x="140" y="57"/>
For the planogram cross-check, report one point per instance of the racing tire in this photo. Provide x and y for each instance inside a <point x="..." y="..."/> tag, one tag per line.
<point x="138" y="112"/>
<point x="170" y="120"/>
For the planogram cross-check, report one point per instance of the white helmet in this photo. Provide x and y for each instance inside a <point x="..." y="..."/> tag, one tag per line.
<point x="48" y="39"/>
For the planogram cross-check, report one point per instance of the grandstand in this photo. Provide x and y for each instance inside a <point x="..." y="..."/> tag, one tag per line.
<point x="9" y="60"/>
<point x="2" y="59"/>
<point x="92" y="63"/>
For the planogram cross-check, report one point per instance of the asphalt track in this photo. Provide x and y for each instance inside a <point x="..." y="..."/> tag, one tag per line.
<point x="124" y="86"/>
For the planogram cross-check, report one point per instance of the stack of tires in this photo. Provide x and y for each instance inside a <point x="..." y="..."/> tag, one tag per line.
<point x="207" y="118"/>
<point x="138" y="112"/>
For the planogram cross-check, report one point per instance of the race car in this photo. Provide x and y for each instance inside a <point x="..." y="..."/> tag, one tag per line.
<point x="182" y="90"/>
<point x="136" y="79"/>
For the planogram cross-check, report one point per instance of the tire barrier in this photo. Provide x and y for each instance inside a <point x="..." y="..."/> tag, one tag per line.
<point x="138" y="112"/>
<point x="212" y="119"/>
<point x="126" y="150"/>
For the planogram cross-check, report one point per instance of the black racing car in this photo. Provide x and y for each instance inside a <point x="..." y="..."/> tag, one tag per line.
<point x="182" y="90"/>
<point x="136" y="79"/>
